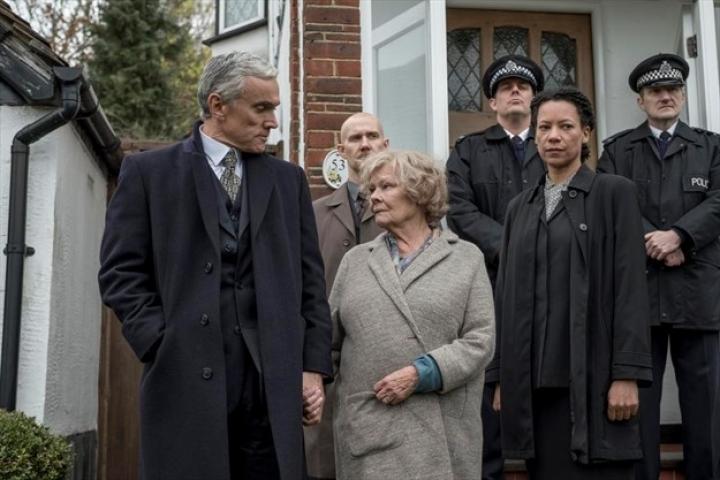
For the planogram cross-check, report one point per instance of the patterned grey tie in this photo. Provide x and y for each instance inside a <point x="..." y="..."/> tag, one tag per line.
<point x="230" y="181"/>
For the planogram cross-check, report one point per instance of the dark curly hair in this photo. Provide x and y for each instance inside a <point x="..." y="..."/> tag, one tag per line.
<point x="571" y="95"/>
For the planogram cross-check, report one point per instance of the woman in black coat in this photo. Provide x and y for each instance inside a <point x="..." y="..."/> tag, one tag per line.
<point x="572" y="312"/>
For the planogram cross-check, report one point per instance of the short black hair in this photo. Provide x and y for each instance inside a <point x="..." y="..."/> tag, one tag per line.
<point x="570" y="95"/>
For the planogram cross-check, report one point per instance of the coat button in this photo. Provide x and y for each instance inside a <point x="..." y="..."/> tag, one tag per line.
<point x="524" y="180"/>
<point x="663" y="220"/>
<point x="207" y="373"/>
<point x="572" y="193"/>
<point x="239" y="285"/>
<point x="228" y="247"/>
<point x="346" y="242"/>
<point x="208" y="267"/>
<point x="204" y="320"/>
<point x="237" y="330"/>
<point x="583" y="227"/>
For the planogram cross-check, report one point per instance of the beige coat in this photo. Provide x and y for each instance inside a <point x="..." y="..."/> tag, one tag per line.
<point x="336" y="236"/>
<point x="441" y="305"/>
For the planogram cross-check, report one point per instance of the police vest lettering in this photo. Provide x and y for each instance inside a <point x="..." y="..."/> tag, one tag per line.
<point x="700" y="182"/>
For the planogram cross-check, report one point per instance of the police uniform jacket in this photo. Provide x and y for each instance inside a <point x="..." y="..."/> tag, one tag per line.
<point x="483" y="176"/>
<point x="609" y="328"/>
<point x="681" y="191"/>
<point x="161" y="274"/>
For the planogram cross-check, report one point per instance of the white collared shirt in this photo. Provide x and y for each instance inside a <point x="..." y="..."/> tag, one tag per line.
<point x="215" y="152"/>
<point x="656" y="131"/>
<point x="523" y="135"/>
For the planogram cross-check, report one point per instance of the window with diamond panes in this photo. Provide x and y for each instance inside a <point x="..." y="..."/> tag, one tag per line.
<point x="559" y="59"/>
<point x="464" y="75"/>
<point x="240" y="12"/>
<point x="510" y="41"/>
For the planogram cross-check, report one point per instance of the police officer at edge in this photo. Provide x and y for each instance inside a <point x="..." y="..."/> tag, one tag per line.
<point x="676" y="169"/>
<point x="485" y="171"/>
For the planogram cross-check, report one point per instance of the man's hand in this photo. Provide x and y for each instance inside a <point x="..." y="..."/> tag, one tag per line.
<point x="496" y="404"/>
<point x="675" y="258"/>
<point x="313" y="398"/>
<point x="623" y="400"/>
<point x="396" y="387"/>
<point x="660" y="243"/>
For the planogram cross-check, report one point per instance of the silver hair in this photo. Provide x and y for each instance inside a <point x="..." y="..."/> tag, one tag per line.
<point x="225" y="75"/>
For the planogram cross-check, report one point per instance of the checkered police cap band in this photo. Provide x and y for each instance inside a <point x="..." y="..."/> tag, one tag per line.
<point x="512" y="69"/>
<point x="665" y="72"/>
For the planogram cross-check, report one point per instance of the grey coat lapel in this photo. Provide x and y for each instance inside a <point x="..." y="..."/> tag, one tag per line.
<point x="382" y="267"/>
<point x="436" y="252"/>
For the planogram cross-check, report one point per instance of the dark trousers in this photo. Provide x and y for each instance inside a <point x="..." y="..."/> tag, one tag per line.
<point x="492" y="462"/>
<point x="696" y="357"/>
<point x="251" y="446"/>
<point x="552" y="427"/>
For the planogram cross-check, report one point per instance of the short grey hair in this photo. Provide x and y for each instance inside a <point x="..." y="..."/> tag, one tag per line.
<point x="225" y="75"/>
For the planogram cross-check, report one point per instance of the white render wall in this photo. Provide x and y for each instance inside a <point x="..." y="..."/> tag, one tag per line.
<point x="60" y="335"/>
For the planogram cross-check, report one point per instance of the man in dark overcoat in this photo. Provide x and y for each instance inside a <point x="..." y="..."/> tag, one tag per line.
<point x="344" y="219"/>
<point x="485" y="171"/>
<point x="210" y="261"/>
<point x="676" y="169"/>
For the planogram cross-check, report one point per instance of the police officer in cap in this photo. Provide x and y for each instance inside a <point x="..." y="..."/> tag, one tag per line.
<point x="676" y="170"/>
<point x="485" y="171"/>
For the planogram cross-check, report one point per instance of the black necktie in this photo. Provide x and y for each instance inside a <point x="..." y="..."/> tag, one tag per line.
<point x="518" y="148"/>
<point x="663" y="142"/>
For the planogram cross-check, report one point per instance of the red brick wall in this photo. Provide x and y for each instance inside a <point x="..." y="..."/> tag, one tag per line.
<point x="332" y="83"/>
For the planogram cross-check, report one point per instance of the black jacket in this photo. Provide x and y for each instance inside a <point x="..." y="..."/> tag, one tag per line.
<point x="483" y="176"/>
<point x="609" y="329"/>
<point x="161" y="274"/>
<point x="681" y="191"/>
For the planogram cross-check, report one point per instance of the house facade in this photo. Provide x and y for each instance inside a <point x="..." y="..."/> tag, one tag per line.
<point x="418" y="64"/>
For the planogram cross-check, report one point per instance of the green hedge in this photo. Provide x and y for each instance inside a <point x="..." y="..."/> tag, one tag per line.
<point x="29" y="451"/>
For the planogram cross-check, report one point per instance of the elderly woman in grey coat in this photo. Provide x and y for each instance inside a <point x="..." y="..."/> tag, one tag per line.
<point x="413" y="332"/>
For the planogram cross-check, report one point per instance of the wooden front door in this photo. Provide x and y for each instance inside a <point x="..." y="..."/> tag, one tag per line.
<point x="560" y="43"/>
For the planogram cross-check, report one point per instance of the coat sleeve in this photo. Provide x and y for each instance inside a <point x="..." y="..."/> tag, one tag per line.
<point x="702" y="223"/>
<point x="314" y="307"/>
<point x="606" y="164"/>
<point x="470" y="353"/>
<point x="464" y="217"/>
<point x="631" y="358"/>
<point x="127" y="281"/>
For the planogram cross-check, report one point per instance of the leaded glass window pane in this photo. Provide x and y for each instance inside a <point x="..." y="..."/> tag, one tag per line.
<point x="510" y="41"/>
<point x="238" y="12"/>
<point x="559" y="59"/>
<point x="464" y="80"/>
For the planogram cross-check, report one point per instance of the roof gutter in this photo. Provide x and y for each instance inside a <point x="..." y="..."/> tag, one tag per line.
<point x="72" y="84"/>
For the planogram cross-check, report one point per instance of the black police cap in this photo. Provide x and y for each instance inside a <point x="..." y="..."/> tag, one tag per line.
<point x="515" y="66"/>
<point x="660" y="69"/>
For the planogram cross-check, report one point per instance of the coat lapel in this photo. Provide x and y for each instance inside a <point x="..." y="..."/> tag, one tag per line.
<point x="530" y="150"/>
<point x="383" y="269"/>
<point x="437" y="251"/>
<point x="204" y="188"/>
<point x="260" y="184"/>
<point x="340" y="204"/>
<point x="574" y="201"/>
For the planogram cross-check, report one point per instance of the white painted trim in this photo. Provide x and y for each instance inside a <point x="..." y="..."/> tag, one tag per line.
<point x="708" y="56"/>
<point x="366" y="56"/>
<point x="694" y="108"/>
<point x="437" y="80"/>
<point x="399" y="25"/>
<point x="301" y="85"/>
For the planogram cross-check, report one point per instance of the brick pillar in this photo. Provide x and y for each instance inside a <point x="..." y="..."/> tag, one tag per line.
<point x="331" y="81"/>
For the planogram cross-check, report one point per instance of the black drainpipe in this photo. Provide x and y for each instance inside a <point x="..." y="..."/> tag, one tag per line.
<point x="71" y="82"/>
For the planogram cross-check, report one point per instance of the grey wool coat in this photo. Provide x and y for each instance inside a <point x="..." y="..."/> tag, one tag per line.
<point x="441" y="305"/>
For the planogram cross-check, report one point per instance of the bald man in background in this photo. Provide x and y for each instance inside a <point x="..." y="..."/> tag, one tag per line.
<point x="344" y="219"/>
